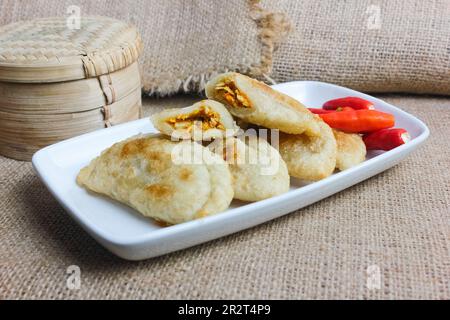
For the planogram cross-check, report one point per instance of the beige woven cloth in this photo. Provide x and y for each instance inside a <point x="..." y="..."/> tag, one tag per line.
<point x="370" y="45"/>
<point x="185" y="42"/>
<point x="396" y="223"/>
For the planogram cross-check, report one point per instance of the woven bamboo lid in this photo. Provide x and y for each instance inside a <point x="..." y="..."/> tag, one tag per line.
<point x="47" y="50"/>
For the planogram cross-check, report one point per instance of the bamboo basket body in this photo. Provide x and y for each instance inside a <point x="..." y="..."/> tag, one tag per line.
<point x="47" y="99"/>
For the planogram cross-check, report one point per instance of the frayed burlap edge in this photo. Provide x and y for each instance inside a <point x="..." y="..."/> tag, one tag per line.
<point x="273" y="29"/>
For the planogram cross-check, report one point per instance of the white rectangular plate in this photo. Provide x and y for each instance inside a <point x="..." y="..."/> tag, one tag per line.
<point x="131" y="236"/>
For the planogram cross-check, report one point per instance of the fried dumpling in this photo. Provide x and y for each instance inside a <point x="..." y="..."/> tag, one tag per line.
<point x="256" y="167"/>
<point x="204" y="120"/>
<point x="310" y="158"/>
<point x="145" y="173"/>
<point x="257" y="103"/>
<point x="351" y="150"/>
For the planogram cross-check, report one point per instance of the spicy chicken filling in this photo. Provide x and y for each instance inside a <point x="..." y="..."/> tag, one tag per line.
<point x="204" y="116"/>
<point x="232" y="95"/>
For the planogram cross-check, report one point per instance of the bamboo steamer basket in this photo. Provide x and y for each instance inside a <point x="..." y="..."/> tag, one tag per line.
<point x="57" y="82"/>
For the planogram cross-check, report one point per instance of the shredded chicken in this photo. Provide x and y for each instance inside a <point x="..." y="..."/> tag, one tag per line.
<point x="232" y="95"/>
<point x="208" y="119"/>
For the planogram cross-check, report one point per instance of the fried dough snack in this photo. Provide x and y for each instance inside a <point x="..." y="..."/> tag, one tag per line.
<point x="141" y="173"/>
<point x="204" y="120"/>
<point x="257" y="103"/>
<point x="310" y="158"/>
<point x="351" y="150"/>
<point x="257" y="168"/>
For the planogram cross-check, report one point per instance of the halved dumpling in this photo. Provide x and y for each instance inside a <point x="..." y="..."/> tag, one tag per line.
<point x="204" y="120"/>
<point x="310" y="158"/>
<point x="351" y="150"/>
<point x="257" y="103"/>
<point x="142" y="173"/>
<point x="256" y="167"/>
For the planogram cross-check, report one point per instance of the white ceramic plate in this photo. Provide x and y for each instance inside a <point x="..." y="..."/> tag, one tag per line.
<point x="131" y="236"/>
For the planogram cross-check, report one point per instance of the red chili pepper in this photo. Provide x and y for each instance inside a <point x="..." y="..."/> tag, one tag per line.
<point x="320" y="111"/>
<point x="352" y="102"/>
<point x="386" y="139"/>
<point x="344" y="109"/>
<point x="359" y="121"/>
<point x="323" y="111"/>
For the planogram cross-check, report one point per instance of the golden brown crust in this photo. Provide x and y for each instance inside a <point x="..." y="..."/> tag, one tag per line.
<point x="138" y="146"/>
<point x="185" y="174"/>
<point x="159" y="190"/>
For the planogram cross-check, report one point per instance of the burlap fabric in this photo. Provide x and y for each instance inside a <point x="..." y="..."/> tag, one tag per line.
<point x="369" y="45"/>
<point x="186" y="42"/>
<point x="396" y="223"/>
